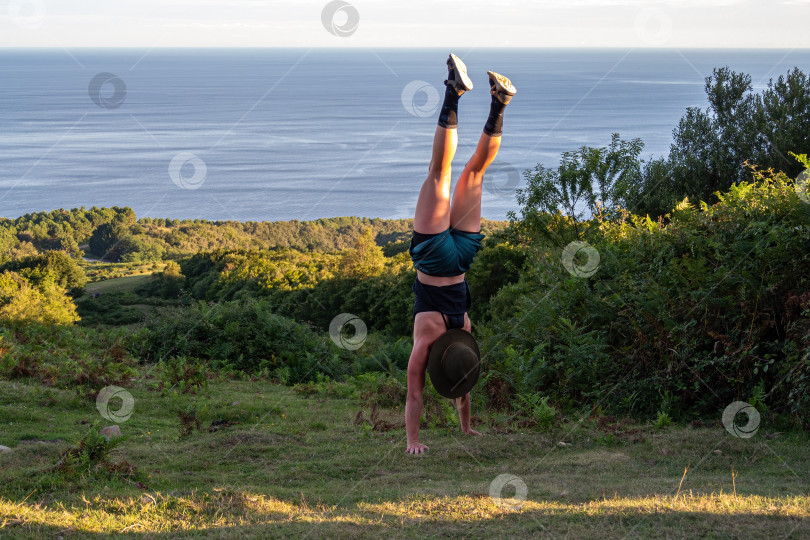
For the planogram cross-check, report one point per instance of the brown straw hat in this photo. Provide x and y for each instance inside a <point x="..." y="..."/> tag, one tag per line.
<point x="454" y="363"/>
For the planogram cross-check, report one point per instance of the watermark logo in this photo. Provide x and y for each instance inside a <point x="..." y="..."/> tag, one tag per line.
<point x="420" y="98"/>
<point x="340" y="18"/>
<point x="27" y="13"/>
<point x="179" y="167"/>
<point x="653" y="26"/>
<point x="109" y="393"/>
<point x="802" y="186"/>
<point x="501" y="180"/>
<point x="339" y="334"/>
<point x="580" y="259"/>
<point x="100" y="97"/>
<point x="751" y="426"/>
<point x="498" y="485"/>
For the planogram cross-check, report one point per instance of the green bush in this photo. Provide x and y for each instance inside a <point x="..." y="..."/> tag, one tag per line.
<point x="56" y="266"/>
<point x="66" y="356"/>
<point x="704" y="307"/>
<point x="110" y="308"/>
<point x="240" y="335"/>
<point x="182" y="374"/>
<point x="45" y="302"/>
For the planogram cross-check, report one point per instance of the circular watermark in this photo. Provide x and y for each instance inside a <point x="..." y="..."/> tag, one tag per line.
<point x="573" y="255"/>
<point x="496" y="491"/>
<point x="101" y="98"/>
<point x="339" y="335"/>
<point x="502" y="180"/>
<point x="751" y="426"/>
<point x="653" y="26"/>
<point x="802" y="186"/>
<point x="103" y="404"/>
<point x="27" y="13"/>
<point x="340" y="18"/>
<point x="182" y="180"/>
<point x="420" y="98"/>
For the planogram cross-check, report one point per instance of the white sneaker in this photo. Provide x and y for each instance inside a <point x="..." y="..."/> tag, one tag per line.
<point x="457" y="77"/>
<point x="501" y="87"/>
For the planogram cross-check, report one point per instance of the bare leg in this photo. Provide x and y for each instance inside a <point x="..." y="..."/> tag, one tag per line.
<point x="433" y="206"/>
<point x="465" y="210"/>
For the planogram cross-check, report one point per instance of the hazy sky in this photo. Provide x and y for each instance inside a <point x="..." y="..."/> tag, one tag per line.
<point x="404" y="23"/>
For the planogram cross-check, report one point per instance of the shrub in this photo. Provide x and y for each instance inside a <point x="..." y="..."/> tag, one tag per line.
<point x="23" y="302"/>
<point x="89" y="457"/>
<point x="182" y="374"/>
<point x="109" y="308"/>
<point x="240" y="335"/>
<point x="703" y="307"/>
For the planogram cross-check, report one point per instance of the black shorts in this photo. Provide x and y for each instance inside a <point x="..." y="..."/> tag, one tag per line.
<point x="448" y="253"/>
<point x="452" y="301"/>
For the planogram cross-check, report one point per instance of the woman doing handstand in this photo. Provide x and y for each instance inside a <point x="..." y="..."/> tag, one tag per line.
<point x="447" y="236"/>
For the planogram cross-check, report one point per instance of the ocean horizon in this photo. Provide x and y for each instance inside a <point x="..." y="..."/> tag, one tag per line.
<point x="279" y="134"/>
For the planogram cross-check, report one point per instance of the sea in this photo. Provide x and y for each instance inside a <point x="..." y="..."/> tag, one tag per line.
<point x="281" y="134"/>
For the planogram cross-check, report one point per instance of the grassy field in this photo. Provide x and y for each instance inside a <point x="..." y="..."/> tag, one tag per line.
<point x="125" y="283"/>
<point x="270" y="461"/>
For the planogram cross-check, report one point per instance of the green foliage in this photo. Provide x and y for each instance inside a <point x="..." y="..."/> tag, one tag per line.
<point x="308" y="287"/>
<point x="498" y="264"/>
<point x="705" y="304"/>
<point x="585" y="181"/>
<point x="365" y="259"/>
<point x="89" y="457"/>
<point x="270" y="270"/>
<point x="182" y="374"/>
<point x="167" y="284"/>
<point x="56" y="230"/>
<point x="703" y="308"/>
<point x="99" y="271"/>
<point x="324" y="385"/>
<point x="395" y="248"/>
<point x="711" y="146"/>
<point x="22" y="302"/>
<point x="56" y="266"/>
<point x="662" y="421"/>
<point x="189" y="417"/>
<point x="282" y="375"/>
<point x="65" y="356"/>
<point x="380" y="389"/>
<point x="116" y="235"/>
<point x="802" y="158"/>
<point x="536" y="407"/>
<point x="244" y="336"/>
<point x="106" y="241"/>
<point x="110" y="308"/>
<point x="383" y="353"/>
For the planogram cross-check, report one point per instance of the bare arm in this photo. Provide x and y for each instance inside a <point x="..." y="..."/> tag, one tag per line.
<point x="463" y="406"/>
<point x="413" y="402"/>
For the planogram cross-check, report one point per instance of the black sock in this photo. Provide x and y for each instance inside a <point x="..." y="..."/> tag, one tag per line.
<point x="448" y="117"/>
<point x="494" y="125"/>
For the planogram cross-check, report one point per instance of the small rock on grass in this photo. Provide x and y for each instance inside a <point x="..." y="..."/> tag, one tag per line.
<point x="111" y="431"/>
<point x="4" y="448"/>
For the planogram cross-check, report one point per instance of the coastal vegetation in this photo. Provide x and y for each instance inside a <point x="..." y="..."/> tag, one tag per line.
<point x="621" y="308"/>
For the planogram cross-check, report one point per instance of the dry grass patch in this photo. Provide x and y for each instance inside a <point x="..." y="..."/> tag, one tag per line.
<point x="222" y="509"/>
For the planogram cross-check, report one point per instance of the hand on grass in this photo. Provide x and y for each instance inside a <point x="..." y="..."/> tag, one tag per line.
<point x="416" y="448"/>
